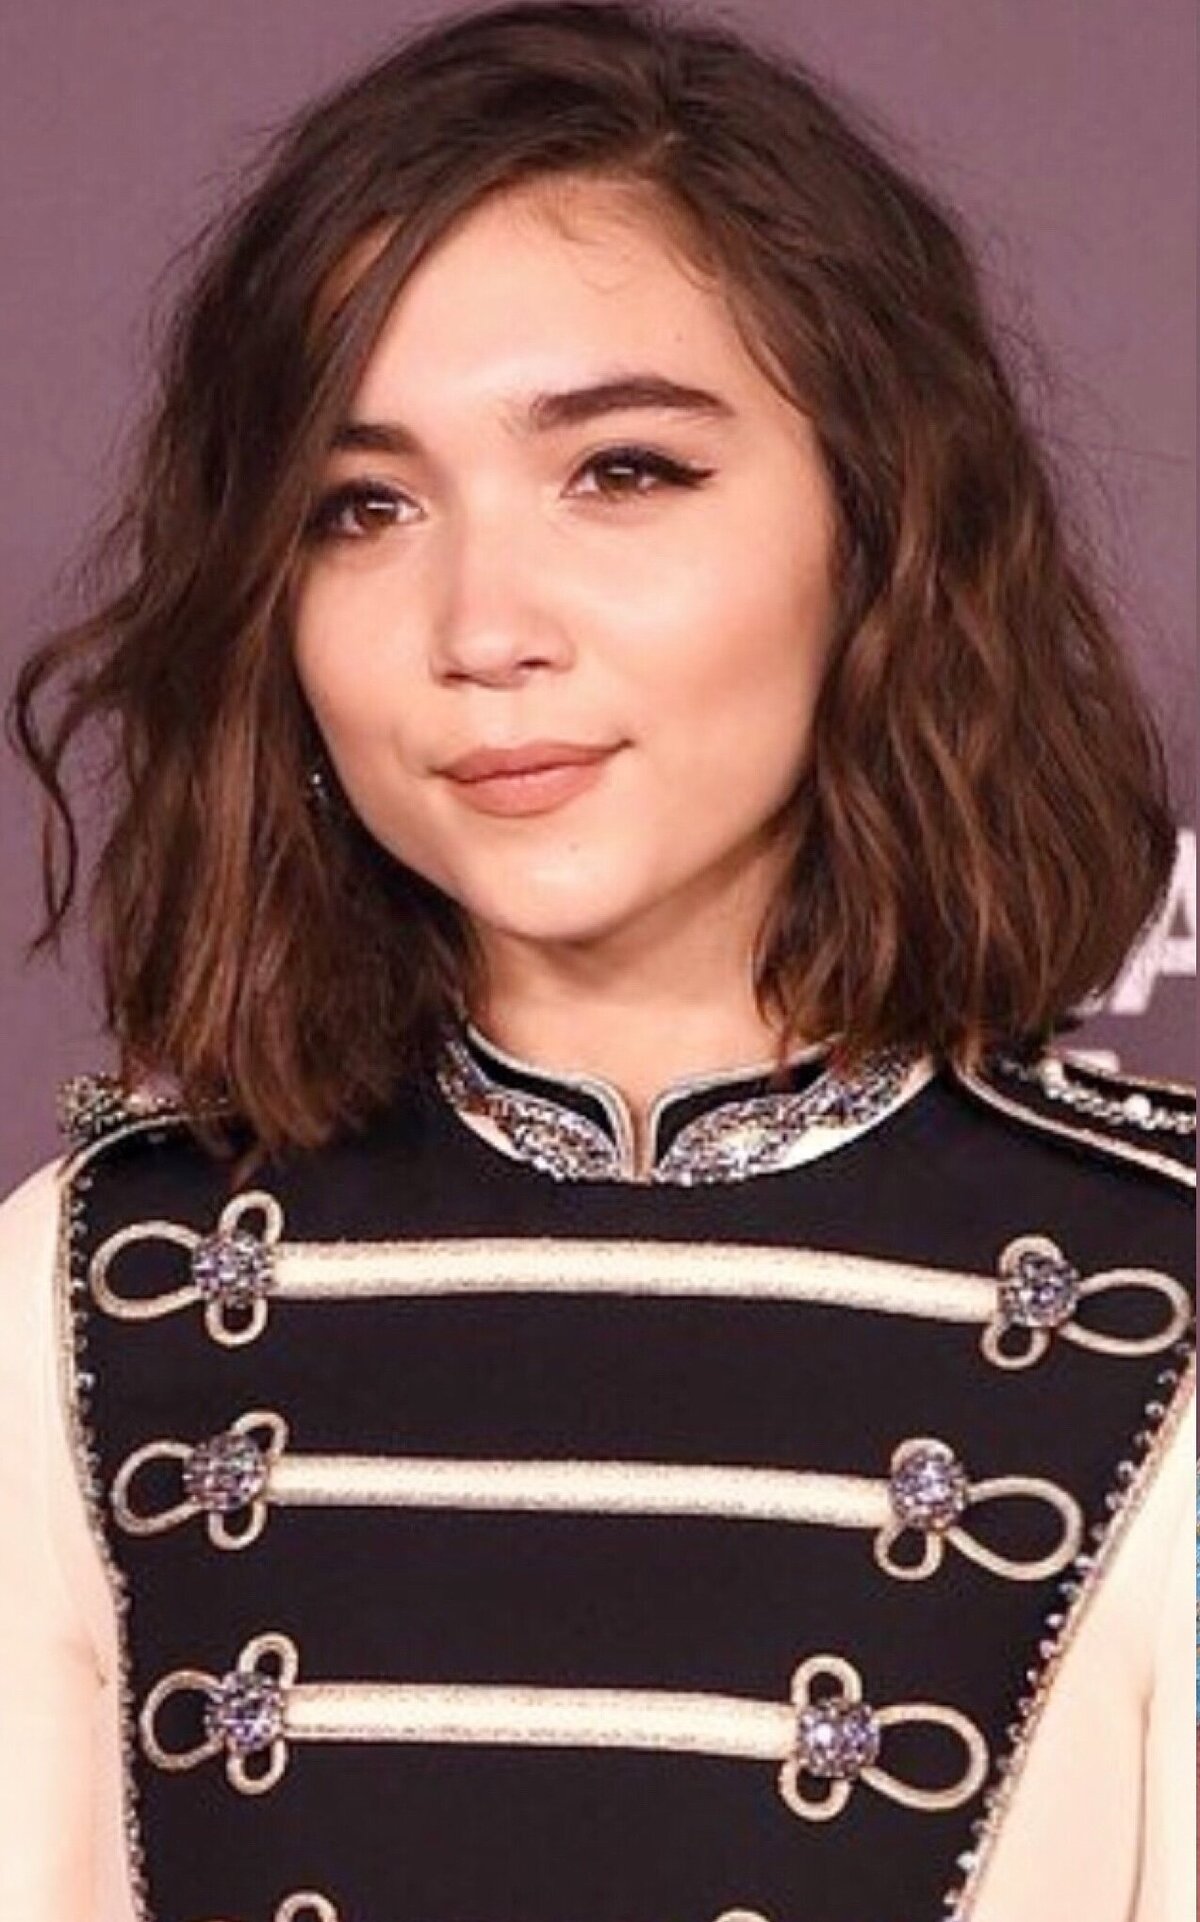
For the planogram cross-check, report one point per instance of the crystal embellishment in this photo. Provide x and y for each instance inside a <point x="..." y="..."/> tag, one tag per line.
<point x="1039" y="1288"/>
<point x="232" y="1267"/>
<point x="244" y="1712"/>
<point x="90" y="1106"/>
<point x="836" y="1739"/>
<point x="729" y="1142"/>
<point x="751" y="1137"/>
<point x="928" y="1488"/>
<point x="1073" y="1086"/>
<point x="225" y="1472"/>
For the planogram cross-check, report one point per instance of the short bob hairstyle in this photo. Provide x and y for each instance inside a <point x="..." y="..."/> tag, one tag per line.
<point x="984" y="827"/>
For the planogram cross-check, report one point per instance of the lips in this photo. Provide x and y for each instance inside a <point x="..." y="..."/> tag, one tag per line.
<point x="536" y="779"/>
<point x="485" y="764"/>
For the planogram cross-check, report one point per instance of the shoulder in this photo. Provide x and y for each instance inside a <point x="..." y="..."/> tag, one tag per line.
<point x="1101" y="1164"/>
<point x="31" y="1226"/>
<point x="1112" y="1119"/>
<point x="29" y="1220"/>
<point x="95" y="1118"/>
<point x="139" y="1153"/>
<point x="106" y="1124"/>
<point x="93" y="1108"/>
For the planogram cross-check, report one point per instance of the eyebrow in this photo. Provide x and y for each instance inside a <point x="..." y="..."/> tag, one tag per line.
<point x="543" y="413"/>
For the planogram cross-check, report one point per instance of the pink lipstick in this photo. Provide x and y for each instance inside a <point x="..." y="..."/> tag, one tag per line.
<point x="527" y="780"/>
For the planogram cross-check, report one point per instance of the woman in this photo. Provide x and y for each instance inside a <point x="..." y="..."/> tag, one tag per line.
<point x="607" y="1375"/>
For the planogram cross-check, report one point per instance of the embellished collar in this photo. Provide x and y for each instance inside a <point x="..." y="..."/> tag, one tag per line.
<point x="716" y="1127"/>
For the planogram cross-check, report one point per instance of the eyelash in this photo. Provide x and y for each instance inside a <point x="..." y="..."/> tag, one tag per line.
<point x="645" y="461"/>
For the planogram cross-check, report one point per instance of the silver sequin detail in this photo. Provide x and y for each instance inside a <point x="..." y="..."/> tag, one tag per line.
<point x="750" y="1137"/>
<point x="929" y="1488"/>
<point x="837" y="1739"/>
<point x="728" y="1143"/>
<point x="244" y="1712"/>
<point x="225" y="1472"/>
<point x="232" y="1267"/>
<point x="1134" y="1109"/>
<point x="1040" y="1290"/>
<point x="90" y="1106"/>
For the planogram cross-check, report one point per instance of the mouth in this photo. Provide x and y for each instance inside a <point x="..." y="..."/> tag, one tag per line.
<point x="485" y="764"/>
<point x="527" y="781"/>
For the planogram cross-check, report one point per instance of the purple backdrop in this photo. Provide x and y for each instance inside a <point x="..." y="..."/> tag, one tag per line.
<point x="1066" y="135"/>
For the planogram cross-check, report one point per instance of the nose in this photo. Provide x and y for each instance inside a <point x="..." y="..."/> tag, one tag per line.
<point x="493" y="619"/>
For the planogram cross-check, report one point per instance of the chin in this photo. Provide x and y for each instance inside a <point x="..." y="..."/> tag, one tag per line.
<point x="581" y="929"/>
<point x="578" y="914"/>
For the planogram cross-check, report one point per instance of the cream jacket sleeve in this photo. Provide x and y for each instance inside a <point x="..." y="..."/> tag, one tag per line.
<point x="1098" y="1825"/>
<point x="61" y="1854"/>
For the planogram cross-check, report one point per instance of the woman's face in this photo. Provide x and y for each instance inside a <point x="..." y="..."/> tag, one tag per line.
<point x="569" y="510"/>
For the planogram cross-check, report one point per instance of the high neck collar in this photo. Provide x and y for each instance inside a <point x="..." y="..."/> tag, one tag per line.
<point x="723" y="1125"/>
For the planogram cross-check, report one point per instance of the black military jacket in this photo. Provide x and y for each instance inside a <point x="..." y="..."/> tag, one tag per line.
<point x="499" y="1536"/>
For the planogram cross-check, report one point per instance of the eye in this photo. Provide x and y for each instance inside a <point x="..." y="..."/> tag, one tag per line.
<point x="354" y="512"/>
<point x="629" y="472"/>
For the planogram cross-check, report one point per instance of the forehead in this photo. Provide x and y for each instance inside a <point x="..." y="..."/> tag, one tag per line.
<point x="534" y="282"/>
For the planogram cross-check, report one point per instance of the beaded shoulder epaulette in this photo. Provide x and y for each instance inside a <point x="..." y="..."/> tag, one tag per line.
<point x="1127" y="1117"/>
<point x="92" y="1107"/>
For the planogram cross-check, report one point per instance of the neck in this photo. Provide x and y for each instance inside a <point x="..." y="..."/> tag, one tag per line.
<point x="640" y="1046"/>
<point x="662" y="997"/>
<point x="640" y="1031"/>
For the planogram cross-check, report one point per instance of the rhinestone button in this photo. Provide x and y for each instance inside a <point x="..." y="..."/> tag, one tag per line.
<point x="928" y="1487"/>
<point x="234" y="1268"/>
<point x="1040" y="1290"/>
<point x="225" y="1472"/>
<point x="837" y="1739"/>
<point x="245" y="1713"/>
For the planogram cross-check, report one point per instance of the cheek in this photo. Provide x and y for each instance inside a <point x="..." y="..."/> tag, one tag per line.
<point x="341" y="671"/>
<point x="744" y="678"/>
<point x="361" y="701"/>
<point x="315" y="660"/>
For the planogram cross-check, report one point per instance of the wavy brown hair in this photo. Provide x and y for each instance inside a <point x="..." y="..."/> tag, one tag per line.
<point x="984" y="827"/>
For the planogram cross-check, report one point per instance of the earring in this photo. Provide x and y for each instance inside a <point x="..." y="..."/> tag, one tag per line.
<point x="316" y="785"/>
